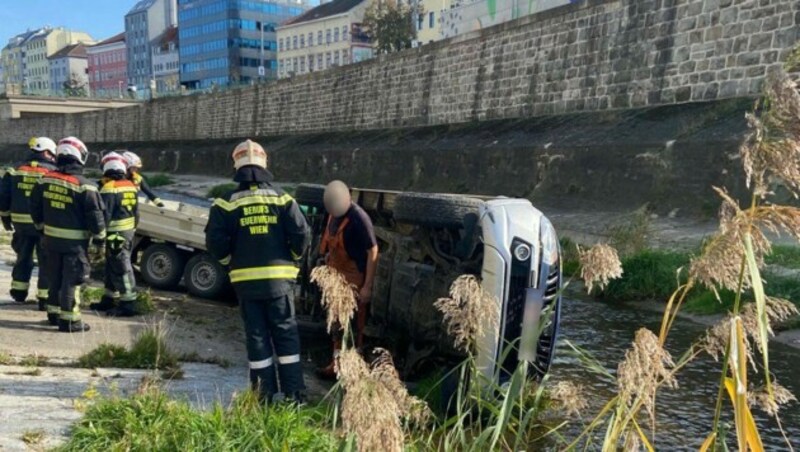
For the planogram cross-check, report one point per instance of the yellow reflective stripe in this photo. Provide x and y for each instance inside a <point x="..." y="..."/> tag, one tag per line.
<point x="21" y="218"/>
<point x="67" y="185"/>
<point x="259" y="273"/>
<point x="71" y="234"/>
<point x="5" y="214"/>
<point x="254" y="199"/>
<point x="23" y="173"/>
<point x="119" y="190"/>
<point x="19" y="285"/>
<point x="226" y="260"/>
<point x="101" y="235"/>
<point x="42" y="293"/>
<point x="122" y="225"/>
<point x="53" y="309"/>
<point x="296" y="256"/>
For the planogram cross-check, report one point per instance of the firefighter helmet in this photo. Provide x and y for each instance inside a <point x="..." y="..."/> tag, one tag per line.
<point x="133" y="160"/>
<point x="41" y="144"/>
<point x="249" y="153"/>
<point x="113" y="162"/>
<point x="73" y="147"/>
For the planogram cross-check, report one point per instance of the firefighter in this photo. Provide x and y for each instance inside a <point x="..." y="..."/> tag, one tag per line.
<point x="350" y="247"/>
<point x="15" y="192"/>
<point x="68" y="209"/>
<point x="259" y="231"/>
<point x="134" y="169"/>
<point x="120" y="199"/>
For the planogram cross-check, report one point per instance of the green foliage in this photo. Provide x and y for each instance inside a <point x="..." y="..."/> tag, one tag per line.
<point x="703" y="301"/>
<point x="91" y="294"/>
<point x="570" y="263"/>
<point x="220" y="190"/>
<point x="784" y="256"/>
<point x="647" y="275"/>
<point x="150" y="421"/>
<point x="149" y="351"/>
<point x="144" y="303"/>
<point x="158" y="180"/>
<point x="5" y="359"/>
<point x="630" y="236"/>
<point x="390" y="25"/>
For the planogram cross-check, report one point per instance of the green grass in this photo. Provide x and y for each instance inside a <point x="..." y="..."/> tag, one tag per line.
<point x="149" y="351"/>
<point x="32" y="437"/>
<point x="784" y="256"/>
<point x="703" y="301"/>
<point x="647" y="275"/>
<point x="150" y="420"/>
<point x="220" y="190"/>
<point x="6" y="359"/>
<point x="570" y="264"/>
<point x="144" y="302"/>
<point x="158" y="180"/>
<point x="91" y="295"/>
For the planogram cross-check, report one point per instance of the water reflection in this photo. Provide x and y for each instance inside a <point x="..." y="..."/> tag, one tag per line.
<point x="684" y="415"/>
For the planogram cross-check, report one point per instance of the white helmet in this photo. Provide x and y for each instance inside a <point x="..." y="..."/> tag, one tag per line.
<point x="249" y="153"/>
<point x="41" y="144"/>
<point x="73" y="147"/>
<point x="133" y="160"/>
<point x="114" y="162"/>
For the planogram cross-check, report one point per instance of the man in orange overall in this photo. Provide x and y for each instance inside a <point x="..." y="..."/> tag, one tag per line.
<point x="349" y="246"/>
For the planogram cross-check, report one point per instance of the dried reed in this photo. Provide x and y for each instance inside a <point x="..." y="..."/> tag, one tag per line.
<point x="599" y="265"/>
<point x="338" y="296"/>
<point x="468" y="311"/>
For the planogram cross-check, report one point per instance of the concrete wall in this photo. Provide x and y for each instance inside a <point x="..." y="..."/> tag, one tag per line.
<point x="595" y="55"/>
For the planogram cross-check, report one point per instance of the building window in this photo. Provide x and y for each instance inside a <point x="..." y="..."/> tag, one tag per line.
<point x="345" y="34"/>
<point x="336" y="34"/>
<point x="327" y="59"/>
<point x="302" y="65"/>
<point x="319" y="61"/>
<point x="294" y="42"/>
<point x="311" y="39"/>
<point x="294" y="64"/>
<point x="345" y="57"/>
<point x="280" y="44"/>
<point x="328" y="36"/>
<point x="336" y="58"/>
<point x="431" y="20"/>
<point x="420" y="21"/>
<point x="311" y="63"/>
<point x="319" y="38"/>
<point x="302" y="41"/>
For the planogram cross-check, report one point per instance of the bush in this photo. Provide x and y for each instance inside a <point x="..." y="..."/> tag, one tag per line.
<point x="785" y="256"/>
<point x="570" y="263"/>
<point x="703" y="301"/>
<point x="647" y="275"/>
<point x="220" y="190"/>
<point x="158" y="180"/>
<point x="151" y="421"/>
<point x="149" y="351"/>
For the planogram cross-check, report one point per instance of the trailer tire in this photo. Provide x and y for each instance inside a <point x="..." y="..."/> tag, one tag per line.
<point x="162" y="266"/>
<point x="434" y="210"/>
<point x="204" y="277"/>
<point x="310" y="195"/>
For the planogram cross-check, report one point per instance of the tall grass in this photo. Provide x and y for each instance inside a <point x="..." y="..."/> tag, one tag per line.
<point x="150" y="350"/>
<point x="732" y="261"/>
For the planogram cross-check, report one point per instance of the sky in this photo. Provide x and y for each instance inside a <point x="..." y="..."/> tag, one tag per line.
<point x="100" y="18"/>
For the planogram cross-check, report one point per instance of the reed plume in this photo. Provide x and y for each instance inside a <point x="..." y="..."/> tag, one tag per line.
<point x="468" y="311"/>
<point x="338" y="296"/>
<point x="599" y="265"/>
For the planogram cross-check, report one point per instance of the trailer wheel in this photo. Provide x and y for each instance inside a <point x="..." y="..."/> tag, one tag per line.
<point x="434" y="210"/>
<point x="162" y="266"/>
<point x="310" y="195"/>
<point x="204" y="277"/>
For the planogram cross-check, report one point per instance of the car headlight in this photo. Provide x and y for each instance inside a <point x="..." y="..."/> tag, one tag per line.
<point x="522" y="252"/>
<point x="550" y="248"/>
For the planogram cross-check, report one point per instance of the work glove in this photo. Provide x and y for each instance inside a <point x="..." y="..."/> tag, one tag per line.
<point x="7" y="224"/>
<point x="158" y="203"/>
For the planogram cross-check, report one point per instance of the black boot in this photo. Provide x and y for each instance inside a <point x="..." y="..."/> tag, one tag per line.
<point x="52" y="319"/>
<point x="66" y="326"/>
<point x="125" y="309"/>
<point x="20" y="296"/>
<point x="42" y="304"/>
<point x="106" y="304"/>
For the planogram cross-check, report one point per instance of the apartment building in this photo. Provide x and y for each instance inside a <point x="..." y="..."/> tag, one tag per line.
<point x="69" y="69"/>
<point x="108" y="67"/>
<point x="146" y="21"/>
<point x="37" y="48"/>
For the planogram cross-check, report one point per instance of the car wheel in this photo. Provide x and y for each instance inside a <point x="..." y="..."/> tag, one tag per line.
<point x="310" y="195"/>
<point x="434" y="210"/>
<point x="162" y="266"/>
<point x="204" y="277"/>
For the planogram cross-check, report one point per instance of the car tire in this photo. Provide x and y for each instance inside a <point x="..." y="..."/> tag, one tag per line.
<point x="434" y="210"/>
<point x="162" y="266"/>
<point x="310" y="195"/>
<point x="204" y="277"/>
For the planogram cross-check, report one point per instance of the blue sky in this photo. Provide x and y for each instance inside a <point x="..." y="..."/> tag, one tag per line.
<point x="99" y="18"/>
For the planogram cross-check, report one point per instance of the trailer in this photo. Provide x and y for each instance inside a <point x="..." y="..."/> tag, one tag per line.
<point x="170" y="248"/>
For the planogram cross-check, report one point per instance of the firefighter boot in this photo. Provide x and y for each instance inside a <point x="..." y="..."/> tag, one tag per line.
<point x="67" y="326"/>
<point x="107" y="303"/>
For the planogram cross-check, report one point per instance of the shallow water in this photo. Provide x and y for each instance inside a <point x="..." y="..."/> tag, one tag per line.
<point x="684" y="415"/>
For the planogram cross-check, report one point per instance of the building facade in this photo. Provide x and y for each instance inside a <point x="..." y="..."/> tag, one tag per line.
<point x="324" y="37"/>
<point x="226" y="42"/>
<point x="108" y="67"/>
<point x="166" y="62"/>
<point x="41" y="45"/>
<point x="69" y="69"/>
<point x="12" y="58"/>
<point x="429" y="15"/>
<point x="146" y="21"/>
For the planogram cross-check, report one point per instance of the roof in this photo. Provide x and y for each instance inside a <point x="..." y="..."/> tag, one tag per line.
<point x="140" y="6"/>
<point x="72" y="51"/>
<point x="112" y="40"/>
<point x="325" y="10"/>
<point x="169" y="35"/>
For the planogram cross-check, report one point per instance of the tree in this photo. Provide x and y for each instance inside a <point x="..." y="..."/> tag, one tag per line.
<point x="390" y="26"/>
<point x="75" y="87"/>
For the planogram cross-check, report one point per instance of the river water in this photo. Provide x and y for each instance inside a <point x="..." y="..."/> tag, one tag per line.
<point x="684" y="415"/>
